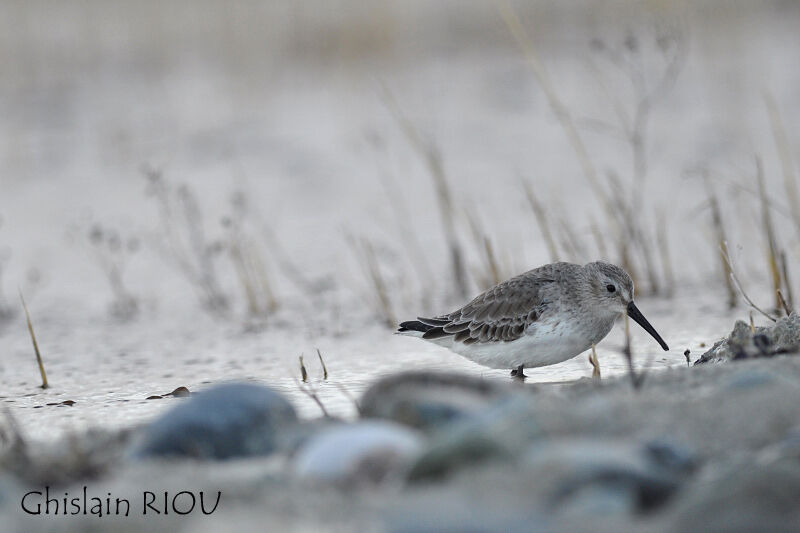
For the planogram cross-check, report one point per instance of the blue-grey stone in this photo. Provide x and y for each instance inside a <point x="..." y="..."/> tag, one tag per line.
<point x="592" y="473"/>
<point x="428" y="401"/>
<point x="224" y="422"/>
<point x="499" y="433"/>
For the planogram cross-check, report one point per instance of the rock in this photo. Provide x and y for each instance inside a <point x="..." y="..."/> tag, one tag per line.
<point x="498" y="433"/>
<point x="592" y="475"/>
<point x="224" y="422"/>
<point x="744" y="343"/>
<point x="740" y="497"/>
<point x="357" y="453"/>
<point x="428" y="400"/>
<point x="786" y="448"/>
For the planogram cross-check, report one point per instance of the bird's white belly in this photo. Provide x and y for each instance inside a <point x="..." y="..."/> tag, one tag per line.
<point x="542" y="345"/>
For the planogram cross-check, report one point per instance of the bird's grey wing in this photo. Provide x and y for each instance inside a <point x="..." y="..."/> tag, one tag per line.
<point x="502" y="313"/>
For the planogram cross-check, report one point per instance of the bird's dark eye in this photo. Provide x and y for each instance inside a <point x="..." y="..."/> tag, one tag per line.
<point x="611" y="288"/>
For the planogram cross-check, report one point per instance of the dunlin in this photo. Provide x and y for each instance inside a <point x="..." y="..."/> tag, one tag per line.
<point x="542" y="317"/>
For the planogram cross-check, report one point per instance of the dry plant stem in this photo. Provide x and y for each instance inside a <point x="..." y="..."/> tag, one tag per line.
<point x="637" y="379"/>
<point x="738" y="284"/>
<point x="784" y="153"/>
<point x="627" y="228"/>
<point x="638" y="132"/>
<point x="663" y="246"/>
<point x="285" y="263"/>
<point x="347" y="394"/>
<point x="634" y="130"/>
<point x="324" y="368"/>
<point x="571" y="240"/>
<point x="35" y="344"/>
<point x="433" y="160"/>
<point x="303" y="372"/>
<point x="719" y="231"/>
<point x="494" y="269"/>
<point x="769" y="233"/>
<point x="248" y="263"/>
<point x="492" y="272"/>
<point x="247" y="259"/>
<point x="626" y="351"/>
<point x="541" y="219"/>
<point x="641" y="243"/>
<point x="403" y="215"/>
<point x="186" y="243"/>
<point x="784" y="305"/>
<point x="559" y="109"/>
<point x="311" y="393"/>
<point x="378" y="283"/>
<point x="237" y="258"/>
<point x="595" y="362"/>
<point x="786" y="283"/>
<point x="619" y="218"/>
<point x="599" y="241"/>
<point x="752" y="324"/>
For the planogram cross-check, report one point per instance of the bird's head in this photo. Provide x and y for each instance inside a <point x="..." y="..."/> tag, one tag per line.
<point x="612" y="288"/>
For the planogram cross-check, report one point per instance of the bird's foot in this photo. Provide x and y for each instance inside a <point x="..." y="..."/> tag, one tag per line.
<point x="517" y="373"/>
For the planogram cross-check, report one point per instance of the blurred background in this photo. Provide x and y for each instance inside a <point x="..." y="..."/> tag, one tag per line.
<point x="331" y="167"/>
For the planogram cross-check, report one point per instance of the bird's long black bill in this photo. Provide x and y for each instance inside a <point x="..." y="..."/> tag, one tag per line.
<point x="637" y="316"/>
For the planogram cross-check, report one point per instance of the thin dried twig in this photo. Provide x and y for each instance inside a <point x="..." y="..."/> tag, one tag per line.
<point x="637" y="379"/>
<point x="35" y="344"/>
<point x="786" y="283"/>
<point x="378" y="283"/>
<point x="417" y="254"/>
<point x="719" y="230"/>
<point x="626" y="351"/>
<point x="303" y="372"/>
<point x="663" y="246"/>
<point x="324" y="368"/>
<point x="312" y="393"/>
<point x="784" y="153"/>
<point x="599" y="240"/>
<point x="735" y="279"/>
<point x="541" y="218"/>
<point x="595" y="362"/>
<point x="492" y="272"/>
<point x="769" y="233"/>
<point x="347" y="394"/>
<point x="560" y="110"/>
<point x="367" y="258"/>
<point x="433" y="160"/>
<point x="784" y="305"/>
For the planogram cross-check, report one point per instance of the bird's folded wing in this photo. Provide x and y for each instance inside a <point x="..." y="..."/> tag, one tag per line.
<point x="502" y="313"/>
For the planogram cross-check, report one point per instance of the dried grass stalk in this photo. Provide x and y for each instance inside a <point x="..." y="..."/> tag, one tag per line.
<point x="39" y="361"/>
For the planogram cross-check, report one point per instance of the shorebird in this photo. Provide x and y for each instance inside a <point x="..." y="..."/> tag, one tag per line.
<point x="542" y="317"/>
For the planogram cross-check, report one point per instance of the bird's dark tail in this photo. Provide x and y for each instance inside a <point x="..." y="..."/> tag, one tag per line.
<point x="414" y="325"/>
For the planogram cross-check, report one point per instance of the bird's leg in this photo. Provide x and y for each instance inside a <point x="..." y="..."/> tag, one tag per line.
<point x="517" y="372"/>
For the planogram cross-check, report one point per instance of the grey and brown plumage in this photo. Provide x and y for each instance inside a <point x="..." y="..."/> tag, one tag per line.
<point x="542" y="317"/>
